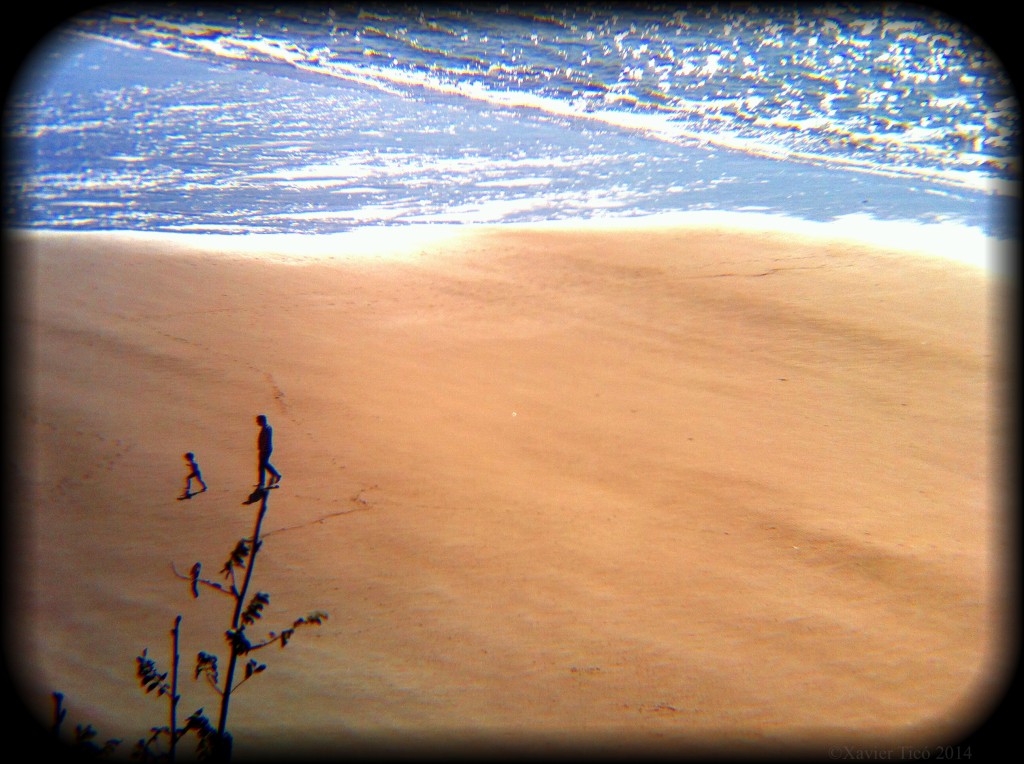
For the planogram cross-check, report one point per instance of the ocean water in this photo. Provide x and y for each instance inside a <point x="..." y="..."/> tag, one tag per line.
<point x="329" y="119"/>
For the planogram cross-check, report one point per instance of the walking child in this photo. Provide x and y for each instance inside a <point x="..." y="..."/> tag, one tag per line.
<point x="193" y="474"/>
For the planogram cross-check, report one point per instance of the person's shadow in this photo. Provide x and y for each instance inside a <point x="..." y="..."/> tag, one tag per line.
<point x="258" y="494"/>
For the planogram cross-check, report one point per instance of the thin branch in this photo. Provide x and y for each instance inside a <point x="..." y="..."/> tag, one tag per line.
<point x="313" y="619"/>
<point x="59" y="712"/>
<point x="174" y="686"/>
<point x="205" y="582"/>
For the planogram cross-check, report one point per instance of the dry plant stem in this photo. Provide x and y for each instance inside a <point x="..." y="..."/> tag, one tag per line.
<point x="239" y="600"/>
<point x="174" y="686"/>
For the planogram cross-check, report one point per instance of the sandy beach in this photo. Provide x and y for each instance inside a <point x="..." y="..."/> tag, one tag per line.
<point x="676" y="490"/>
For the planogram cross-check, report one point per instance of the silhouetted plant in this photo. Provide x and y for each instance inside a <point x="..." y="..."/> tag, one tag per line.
<point x="82" y="740"/>
<point x="240" y="564"/>
<point x="212" y="742"/>
<point x="151" y="679"/>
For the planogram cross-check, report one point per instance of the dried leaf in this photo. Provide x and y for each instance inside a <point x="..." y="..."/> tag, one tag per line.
<point x="195" y="580"/>
<point x="255" y="609"/>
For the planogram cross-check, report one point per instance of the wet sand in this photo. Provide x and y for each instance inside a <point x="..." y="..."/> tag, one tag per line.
<point x="562" y="491"/>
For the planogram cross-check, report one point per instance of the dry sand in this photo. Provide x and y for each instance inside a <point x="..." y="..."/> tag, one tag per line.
<point x="609" y="490"/>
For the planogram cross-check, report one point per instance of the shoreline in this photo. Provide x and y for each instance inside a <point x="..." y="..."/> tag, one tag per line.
<point x="658" y="486"/>
<point x="946" y="241"/>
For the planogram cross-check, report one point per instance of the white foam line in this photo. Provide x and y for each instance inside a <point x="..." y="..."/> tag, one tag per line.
<point x="385" y="242"/>
<point x="948" y="241"/>
<point x="658" y="126"/>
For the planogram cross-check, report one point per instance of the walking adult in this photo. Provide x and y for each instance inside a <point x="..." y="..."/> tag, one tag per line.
<point x="265" y="447"/>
